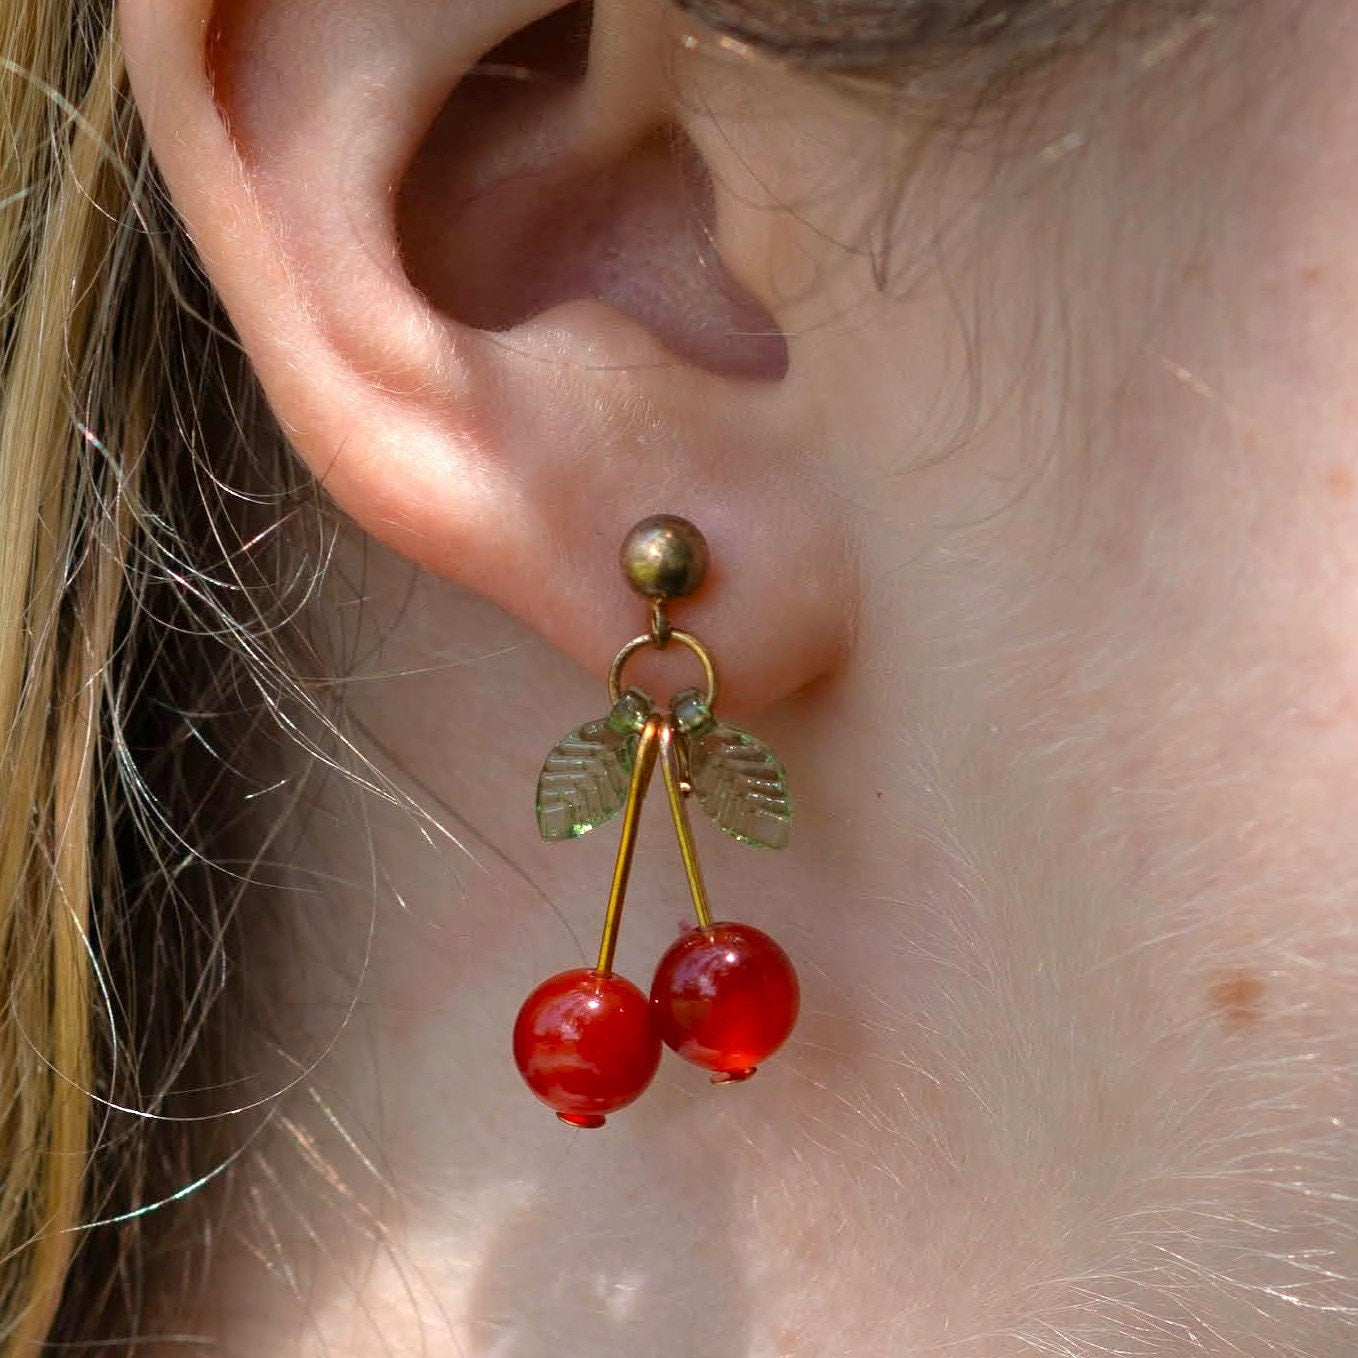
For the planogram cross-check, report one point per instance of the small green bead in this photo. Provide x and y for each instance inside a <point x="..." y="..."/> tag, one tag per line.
<point x="692" y="715"/>
<point x="630" y="712"/>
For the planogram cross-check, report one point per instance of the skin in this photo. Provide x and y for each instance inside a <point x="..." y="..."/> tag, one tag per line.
<point x="1035" y="566"/>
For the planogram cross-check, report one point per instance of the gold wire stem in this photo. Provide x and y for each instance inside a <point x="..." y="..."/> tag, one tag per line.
<point x="642" y="768"/>
<point x="683" y="829"/>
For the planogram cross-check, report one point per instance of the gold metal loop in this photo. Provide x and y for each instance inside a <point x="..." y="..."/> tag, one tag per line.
<point x="685" y="639"/>
<point x="661" y="627"/>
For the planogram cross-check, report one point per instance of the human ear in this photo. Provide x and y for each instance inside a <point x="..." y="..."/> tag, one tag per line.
<point x="474" y="260"/>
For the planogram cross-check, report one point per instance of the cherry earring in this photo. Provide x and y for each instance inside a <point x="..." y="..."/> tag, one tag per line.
<point x="725" y="996"/>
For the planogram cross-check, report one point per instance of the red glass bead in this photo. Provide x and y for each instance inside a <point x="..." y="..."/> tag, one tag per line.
<point x="586" y="1045"/>
<point x="725" y="998"/>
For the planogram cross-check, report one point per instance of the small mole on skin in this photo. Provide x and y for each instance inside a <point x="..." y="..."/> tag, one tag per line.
<point x="1341" y="482"/>
<point x="1238" y="997"/>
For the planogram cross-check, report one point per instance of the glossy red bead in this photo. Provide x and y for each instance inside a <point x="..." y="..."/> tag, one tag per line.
<point x="586" y="1045"/>
<point x="725" y="998"/>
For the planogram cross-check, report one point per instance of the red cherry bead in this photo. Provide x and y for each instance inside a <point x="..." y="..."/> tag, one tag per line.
<point x="725" y="998"/>
<point x="586" y="1045"/>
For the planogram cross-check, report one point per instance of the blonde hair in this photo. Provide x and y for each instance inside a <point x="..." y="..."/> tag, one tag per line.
<point x="129" y="609"/>
<point x="59" y="597"/>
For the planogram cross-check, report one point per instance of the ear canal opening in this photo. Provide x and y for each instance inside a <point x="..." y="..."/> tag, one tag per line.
<point x="503" y="214"/>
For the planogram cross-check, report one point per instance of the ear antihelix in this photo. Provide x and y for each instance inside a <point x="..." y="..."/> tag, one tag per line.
<point x="725" y="996"/>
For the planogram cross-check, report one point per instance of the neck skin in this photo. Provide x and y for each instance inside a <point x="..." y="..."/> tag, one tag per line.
<point x="1071" y="883"/>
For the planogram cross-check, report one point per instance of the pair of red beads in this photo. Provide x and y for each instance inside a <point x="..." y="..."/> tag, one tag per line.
<point x="588" y="1043"/>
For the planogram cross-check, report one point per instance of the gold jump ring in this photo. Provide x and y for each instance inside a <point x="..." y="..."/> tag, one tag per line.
<point x="686" y="639"/>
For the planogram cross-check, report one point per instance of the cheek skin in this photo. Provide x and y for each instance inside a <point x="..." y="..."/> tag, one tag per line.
<point x="1103" y="988"/>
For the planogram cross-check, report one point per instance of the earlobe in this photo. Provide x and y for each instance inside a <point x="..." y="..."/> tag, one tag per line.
<point x="487" y="311"/>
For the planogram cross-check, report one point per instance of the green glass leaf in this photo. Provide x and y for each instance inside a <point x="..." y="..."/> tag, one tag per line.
<point x="741" y="784"/>
<point x="584" y="782"/>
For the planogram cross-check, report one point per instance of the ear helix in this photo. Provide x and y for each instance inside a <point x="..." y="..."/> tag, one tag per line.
<point x="725" y="996"/>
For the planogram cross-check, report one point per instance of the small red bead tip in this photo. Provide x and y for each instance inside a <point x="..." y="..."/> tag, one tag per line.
<point x="590" y="1121"/>
<point x="725" y="998"/>
<point x="733" y="1077"/>
<point x="586" y="1045"/>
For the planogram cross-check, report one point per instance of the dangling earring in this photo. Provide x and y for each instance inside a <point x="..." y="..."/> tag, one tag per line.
<point x="725" y="995"/>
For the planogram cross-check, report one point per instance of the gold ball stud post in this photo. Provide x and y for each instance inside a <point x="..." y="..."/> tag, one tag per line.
<point x="664" y="557"/>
